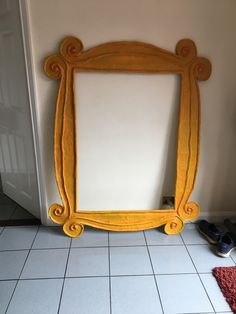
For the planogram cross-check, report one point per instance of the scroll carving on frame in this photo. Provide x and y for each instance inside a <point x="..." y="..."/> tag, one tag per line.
<point x="131" y="57"/>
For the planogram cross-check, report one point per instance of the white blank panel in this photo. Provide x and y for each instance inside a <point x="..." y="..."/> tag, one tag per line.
<point x="126" y="139"/>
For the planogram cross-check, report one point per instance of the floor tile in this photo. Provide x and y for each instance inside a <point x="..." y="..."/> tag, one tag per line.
<point x="155" y="237"/>
<point x="233" y="255"/>
<point x="11" y="264"/>
<point x="214" y="292"/>
<point x="126" y="238"/>
<point x="21" y="213"/>
<point x="88" y="262"/>
<point x="171" y="260"/>
<point x="135" y="295"/>
<point x="6" y="211"/>
<point x="51" y="237"/>
<point x="36" y="297"/>
<point x="191" y="235"/>
<point x="85" y="296"/>
<point x="6" y="290"/>
<point x="205" y="259"/>
<point x="91" y="238"/>
<point x="183" y="294"/>
<point x="130" y="261"/>
<point x="17" y="238"/>
<point x="45" y="264"/>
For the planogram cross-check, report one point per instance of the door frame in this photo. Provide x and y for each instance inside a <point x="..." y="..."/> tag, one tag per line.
<point x="31" y="83"/>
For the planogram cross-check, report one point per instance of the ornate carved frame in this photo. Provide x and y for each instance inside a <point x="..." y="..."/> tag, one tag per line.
<point x="132" y="57"/>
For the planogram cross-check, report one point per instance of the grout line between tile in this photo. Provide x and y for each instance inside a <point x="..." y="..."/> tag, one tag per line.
<point x="62" y="288"/>
<point x="11" y="296"/>
<point x="199" y="276"/>
<point x="198" y="313"/>
<point x="158" y="292"/>
<point x="232" y="259"/>
<point x="52" y="248"/>
<point x="15" y="250"/>
<point x="46" y="249"/>
<point x="102" y="246"/>
<point x="195" y="244"/>
<point x="2" y="230"/>
<point x="95" y="247"/>
<point x="75" y="277"/>
<point x="225" y="312"/>
<point x="22" y="269"/>
<point x="99" y="276"/>
<point x="109" y="266"/>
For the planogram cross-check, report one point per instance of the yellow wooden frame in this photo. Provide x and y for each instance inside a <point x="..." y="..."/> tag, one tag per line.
<point x="132" y="57"/>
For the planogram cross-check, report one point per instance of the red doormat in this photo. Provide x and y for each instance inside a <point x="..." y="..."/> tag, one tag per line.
<point x="226" y="278"/>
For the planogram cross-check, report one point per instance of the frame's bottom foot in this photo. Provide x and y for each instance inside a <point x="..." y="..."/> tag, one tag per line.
<point x="190" y="211"/>
<point x="172" y="219"/>
<point x="58" y="213"/>
<point x="72" y="228"/>
<point x="174" y="226"/>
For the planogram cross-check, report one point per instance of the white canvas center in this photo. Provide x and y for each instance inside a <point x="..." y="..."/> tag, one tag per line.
<point x="126" y="139"/>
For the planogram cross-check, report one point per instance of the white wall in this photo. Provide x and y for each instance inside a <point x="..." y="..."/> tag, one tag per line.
<point x="211" y="24"/>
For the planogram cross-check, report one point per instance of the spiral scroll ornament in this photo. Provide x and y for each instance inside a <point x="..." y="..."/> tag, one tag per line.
<point x="186" y="48"/>
<point x="174" y="226"/>
<point x="70" y="48"/>
<point x="72" y="228"/>
<point x="190" y="211"/>
<point x="58" y="213"/>
<point x="202" y="69"/>
<point x="54" y="66"/>
<point x="201" y="66"/>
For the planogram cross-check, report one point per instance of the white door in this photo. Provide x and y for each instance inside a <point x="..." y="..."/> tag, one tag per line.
<point x="17" y="154"/>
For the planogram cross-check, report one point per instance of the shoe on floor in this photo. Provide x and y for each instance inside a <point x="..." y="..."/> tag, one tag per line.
<point x="225" y="246"/>
<point x="209" y="231"/>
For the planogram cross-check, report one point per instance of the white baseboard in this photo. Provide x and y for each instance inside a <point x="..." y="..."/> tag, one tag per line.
<point x="218" y="216"/>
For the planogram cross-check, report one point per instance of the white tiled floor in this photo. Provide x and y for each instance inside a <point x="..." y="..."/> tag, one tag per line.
<point x="17" y="238"/>
<point x="86" y="294"/>
<point x="130" y="261"/>
<point x="43" y="271"/>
